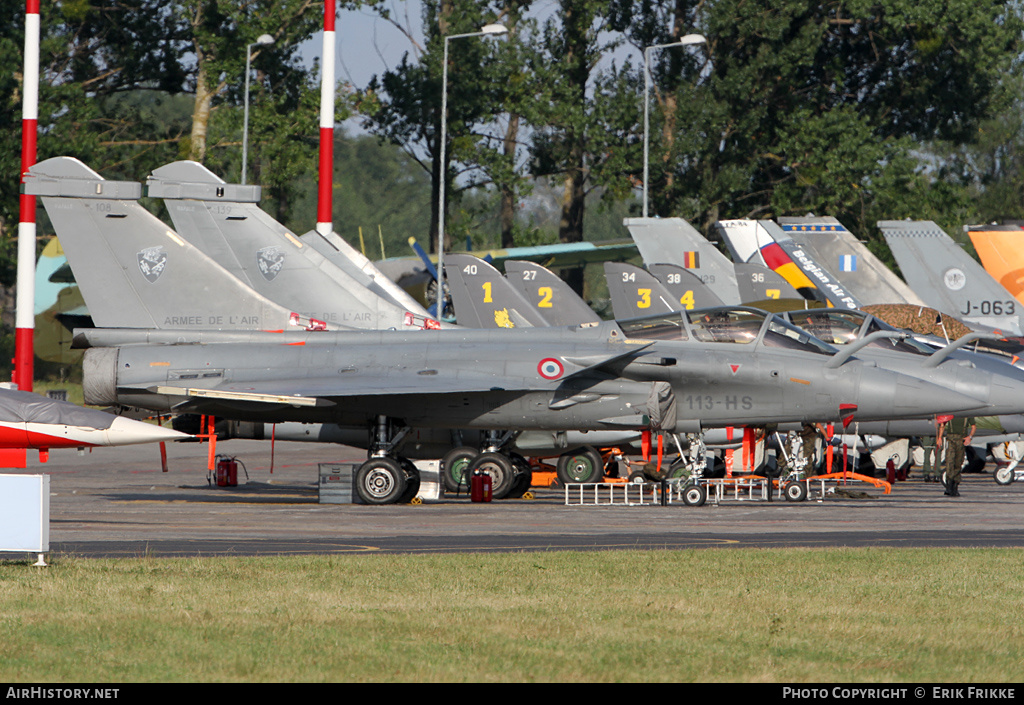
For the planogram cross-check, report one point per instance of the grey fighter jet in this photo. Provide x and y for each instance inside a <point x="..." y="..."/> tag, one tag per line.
<point x="676" y="373"/>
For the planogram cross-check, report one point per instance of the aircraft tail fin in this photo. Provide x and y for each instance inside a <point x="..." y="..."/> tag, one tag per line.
<point x="685" y="286"/>
<point x="947" y="278"/>
<point x="846" y="257"/>
<point x="635" y="292"/>
<point x="762" y="242"/>
<point x="1001" y="251"/>
<point x="225" y="222"/>
<point x="674" y="241"/>
<point x="134" y="271"/>
<point x="549" y="294"/>
<point x="483" y="298"/>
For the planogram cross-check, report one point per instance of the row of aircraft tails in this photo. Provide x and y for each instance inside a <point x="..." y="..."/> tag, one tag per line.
<point x="231" y="314"/>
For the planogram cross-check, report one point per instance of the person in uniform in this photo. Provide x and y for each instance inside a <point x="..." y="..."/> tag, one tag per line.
<point x="959" y="433"/>
<point x="931" y="469"/>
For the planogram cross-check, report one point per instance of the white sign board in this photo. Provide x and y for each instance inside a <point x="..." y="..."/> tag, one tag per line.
<point x="25" y="513"/>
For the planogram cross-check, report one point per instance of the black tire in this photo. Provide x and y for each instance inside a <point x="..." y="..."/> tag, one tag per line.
<point x="1003" y="475"/>
<point x="453" y="468"/>
<point x="523" y="476"/>
<point x="500" y="469"/>
<point x="581" y="465"/>
<point x="677" y="471"/>
<point x="412" y="480"/>
<point x="611" y="468"/>
<point x="694" y="495"/>
<point x="975" y="460"/>
<point x="381" y="481"/>
<point x="795" y="491"/>
<point x="637" y="477"/>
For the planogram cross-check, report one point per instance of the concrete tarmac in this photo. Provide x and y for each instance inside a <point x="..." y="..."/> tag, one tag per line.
<point x="117" y="502"/>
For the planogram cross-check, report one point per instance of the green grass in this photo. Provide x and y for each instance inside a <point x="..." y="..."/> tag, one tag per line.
<point x="712" y="615"/>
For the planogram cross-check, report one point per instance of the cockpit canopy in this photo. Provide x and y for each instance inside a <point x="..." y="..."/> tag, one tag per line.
<point x="845" y="327"/>
<point x="734" y="325"/>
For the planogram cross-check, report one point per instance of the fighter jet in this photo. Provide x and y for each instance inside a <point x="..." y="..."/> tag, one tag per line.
<point x="948" y="279"/>
<point x="30" y="420"/>
<point x="670" y="374"/>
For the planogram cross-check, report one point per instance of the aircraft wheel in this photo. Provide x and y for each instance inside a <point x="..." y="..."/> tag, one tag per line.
<point x="381" y="481"/>
<point x="500" y="468"/>
<point x="581" y="465"/>
<point x="453" y="467"/>
<point x="795" y="491"/>
<point x="412" y="480"/>
<point x="678" y="471"/>
<point x="523" y="475"/>
<point x="1004" y="475"/>
<point x="694" y="495"/>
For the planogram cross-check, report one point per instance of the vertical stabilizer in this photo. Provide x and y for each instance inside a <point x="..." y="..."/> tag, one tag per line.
<point x="1001" y="251"/>
<point x="549" y="294"/>
<point x="134" y="271"/>
<point x="674" y="241"/>
<point x="853" y="264"/>
<point x="764" y="242"/>
<point x="685" y="286"/>
<point x="482" y="298"/>
<point x="225" y="222"/>
<point x="635" y="292"/>
<point x="946" y="277"/>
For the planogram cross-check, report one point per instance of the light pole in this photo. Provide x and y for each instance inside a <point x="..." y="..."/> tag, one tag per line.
<point x="485" y="30"/>
<point x="262" y="40"/>
<point x="688" y="40"/>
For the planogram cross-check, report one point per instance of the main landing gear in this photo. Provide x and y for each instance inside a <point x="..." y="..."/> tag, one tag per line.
<point x="510" y="472"/>
<point x="385" y="478"/>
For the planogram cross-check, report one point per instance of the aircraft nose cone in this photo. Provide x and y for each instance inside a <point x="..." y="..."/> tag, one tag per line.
<point x="900" y="396"/>
<point x="129" y="431"/>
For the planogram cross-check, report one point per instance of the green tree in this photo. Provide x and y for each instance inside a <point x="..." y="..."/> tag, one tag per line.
<point x="820" y="106"/>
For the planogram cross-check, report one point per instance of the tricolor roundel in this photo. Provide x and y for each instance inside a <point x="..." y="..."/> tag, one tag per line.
<point x="550" y="368"/>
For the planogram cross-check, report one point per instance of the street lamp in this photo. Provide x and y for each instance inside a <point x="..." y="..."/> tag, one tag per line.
<point x="688" y="40"/>
<point x="485" y="30"/>
<point x="262" y="40"/>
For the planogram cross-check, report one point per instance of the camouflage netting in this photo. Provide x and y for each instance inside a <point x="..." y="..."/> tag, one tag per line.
<point x="920" y="319"/>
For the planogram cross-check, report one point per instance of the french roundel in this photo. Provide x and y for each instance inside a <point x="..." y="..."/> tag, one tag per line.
<point x="550" y="368"/>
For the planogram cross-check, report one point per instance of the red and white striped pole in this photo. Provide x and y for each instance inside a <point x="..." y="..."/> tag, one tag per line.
<point x="24" y="318"/>
<point x="324" y="218"/>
